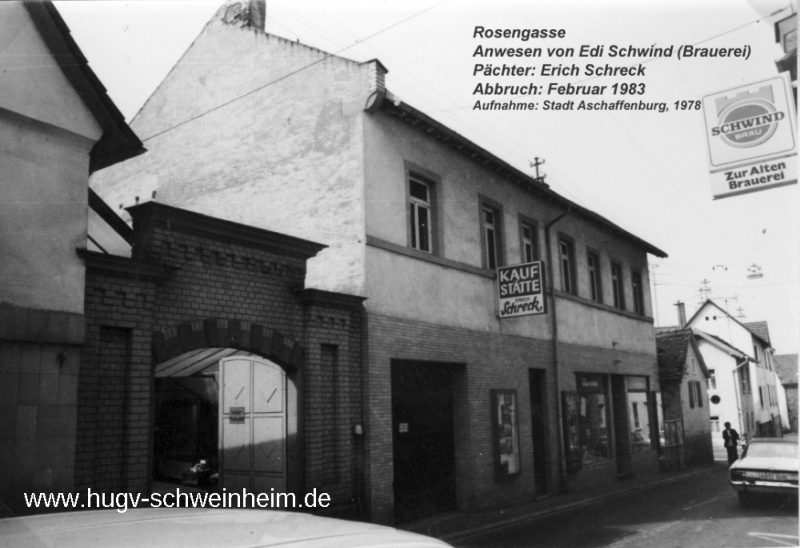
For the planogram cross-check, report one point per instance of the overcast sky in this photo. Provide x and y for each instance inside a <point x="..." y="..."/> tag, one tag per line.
<point x="645" y="171"/>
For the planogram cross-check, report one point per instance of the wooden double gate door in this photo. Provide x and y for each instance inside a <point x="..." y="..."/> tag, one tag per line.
<point x="252" y="425"/>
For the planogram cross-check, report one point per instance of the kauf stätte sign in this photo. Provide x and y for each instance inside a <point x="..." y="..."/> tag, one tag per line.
<point x="751" y="135"/>
<point x="520" y="290"/>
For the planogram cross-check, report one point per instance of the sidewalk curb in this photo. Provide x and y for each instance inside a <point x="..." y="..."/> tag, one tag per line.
<point x="565" y="507"/>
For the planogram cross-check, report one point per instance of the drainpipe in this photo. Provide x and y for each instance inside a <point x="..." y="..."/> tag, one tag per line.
<point x="562" y="459"/>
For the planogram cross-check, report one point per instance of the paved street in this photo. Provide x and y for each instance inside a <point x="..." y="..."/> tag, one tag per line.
<point x="697" y="511"/>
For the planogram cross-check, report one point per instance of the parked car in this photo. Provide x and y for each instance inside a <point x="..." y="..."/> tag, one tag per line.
<point x="200" y="528"/>
<point x="768" y="466"/>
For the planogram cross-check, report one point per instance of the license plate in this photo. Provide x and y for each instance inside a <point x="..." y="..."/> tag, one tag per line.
<point x="771" y="476"/>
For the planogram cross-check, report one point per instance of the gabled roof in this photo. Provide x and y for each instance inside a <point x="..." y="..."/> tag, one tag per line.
<point x="721" y="344"/>
<point x="672" y="349"/>
<point x="118" y="142"/>
<point x="755" y="334"/>
<point x="786" y="366"/>
<point x="759" y="329"/>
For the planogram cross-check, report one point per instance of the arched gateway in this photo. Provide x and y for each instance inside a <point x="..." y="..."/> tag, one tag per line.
<point x="207" y="324"/>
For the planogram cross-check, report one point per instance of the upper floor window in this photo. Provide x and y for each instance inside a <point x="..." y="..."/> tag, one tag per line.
<point x="712" y="379"/>
<point x="491" y="235"/>
<point x="595" y="289"/>
<point x="420" y="214"/>
<point x="566" y="257"/>
<point x="527" y="235"/>
<point x="616" y="285"/>
<point x="638" y="292"/>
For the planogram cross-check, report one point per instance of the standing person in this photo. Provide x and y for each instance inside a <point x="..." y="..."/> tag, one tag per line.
<point x="731" y="438"/>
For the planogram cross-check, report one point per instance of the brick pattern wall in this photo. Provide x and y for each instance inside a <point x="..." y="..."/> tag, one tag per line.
<point x="491" y="361"/>
<point x="223" y="280"/>
<point x="333" y="402"/>
<point x="114" y="393"/>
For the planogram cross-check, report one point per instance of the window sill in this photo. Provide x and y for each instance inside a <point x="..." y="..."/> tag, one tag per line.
<point x="601" y="306"/>
<point x="428" y="257"/>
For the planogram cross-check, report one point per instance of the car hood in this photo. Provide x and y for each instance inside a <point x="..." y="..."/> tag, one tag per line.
<point x="766" y="463"/>
<point x="200" y="528"/>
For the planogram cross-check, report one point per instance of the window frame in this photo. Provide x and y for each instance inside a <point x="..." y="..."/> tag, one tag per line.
<point x="568" y="280"/>
<point x="595" y="276"/>
<point x="617" y="285"/>
<point x="433" y="183"/>
<point x="489" y="205"/>
<point x="533" y="226"/>
<point x="637" y="290"/>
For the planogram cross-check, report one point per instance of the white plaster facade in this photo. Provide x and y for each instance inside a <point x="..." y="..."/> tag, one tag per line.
<point x="271" y="133"/>
<point x="764" y="395"/>
<point x="46" y="134"/>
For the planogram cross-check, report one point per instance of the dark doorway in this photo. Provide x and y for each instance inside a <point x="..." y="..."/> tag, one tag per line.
<point x="423" y="438"/>
<point x="536" y="378"/>
<point x="622" y="444"/>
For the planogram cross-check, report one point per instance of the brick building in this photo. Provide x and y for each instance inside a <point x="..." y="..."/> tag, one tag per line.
<point x="154" y="395"/>
<point x="461" y="409"/>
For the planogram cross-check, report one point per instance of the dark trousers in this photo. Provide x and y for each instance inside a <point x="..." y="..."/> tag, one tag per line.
<point x="733" y="455"/>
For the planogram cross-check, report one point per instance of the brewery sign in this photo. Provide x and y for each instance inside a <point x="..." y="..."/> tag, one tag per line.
<point x="751" y="136"/>
<point x="520" y="290"/>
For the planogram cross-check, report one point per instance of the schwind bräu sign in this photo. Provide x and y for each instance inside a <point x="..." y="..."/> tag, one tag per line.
<point x="751" y="136"/>
<point x="520" y="290"/>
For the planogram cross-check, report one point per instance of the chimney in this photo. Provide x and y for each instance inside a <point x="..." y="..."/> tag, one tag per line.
<point x="681" y="314"/>
<point x="245" y="13"/>
<point x="258" y="14"/>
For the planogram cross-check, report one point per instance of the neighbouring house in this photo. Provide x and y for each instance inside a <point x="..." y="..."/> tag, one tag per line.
<point x="684" y="391"/>
<point x="57" y="125"/>
<point x="465" y="405"/>
<point x="730" y="389"/>
<point x="764" y="420"/>
<point x="786" y="366"/>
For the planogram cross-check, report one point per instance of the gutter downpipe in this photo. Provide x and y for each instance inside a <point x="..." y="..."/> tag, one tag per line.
<point x="562" y="460"/>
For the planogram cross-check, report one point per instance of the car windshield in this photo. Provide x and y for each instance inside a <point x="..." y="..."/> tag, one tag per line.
<point x="779" y="450"/>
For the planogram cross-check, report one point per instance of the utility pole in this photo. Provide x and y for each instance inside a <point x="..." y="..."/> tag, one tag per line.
<point x="704" y="291"/>
<point x="655" y="292"/>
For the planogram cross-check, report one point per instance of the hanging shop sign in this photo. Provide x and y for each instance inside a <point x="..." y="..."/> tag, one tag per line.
<point x="751" y="135"/>
<point x="520" y="290"/>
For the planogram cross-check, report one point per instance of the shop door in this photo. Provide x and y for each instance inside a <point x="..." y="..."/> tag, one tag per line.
<point x="424" y="444"/>
<point x="252" y="425"/>
<point x="537" y="388"/>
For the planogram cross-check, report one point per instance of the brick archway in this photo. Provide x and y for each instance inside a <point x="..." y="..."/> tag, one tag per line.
<point x="221" y="332"/>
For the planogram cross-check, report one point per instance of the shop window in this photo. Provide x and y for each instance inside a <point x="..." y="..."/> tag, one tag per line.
<point x="595" y="287"/>
<point x="638" y="292"/>
<point x="491" y="234"/>
<point x="617" y="290"/>
<point x="527" y="235"/>
<point x="715" y="424"/>
<point x="566" y="257"/>
<point x="420" y="213"/>
<point x="641" y="420"/>
<point x="586" y="423"/>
